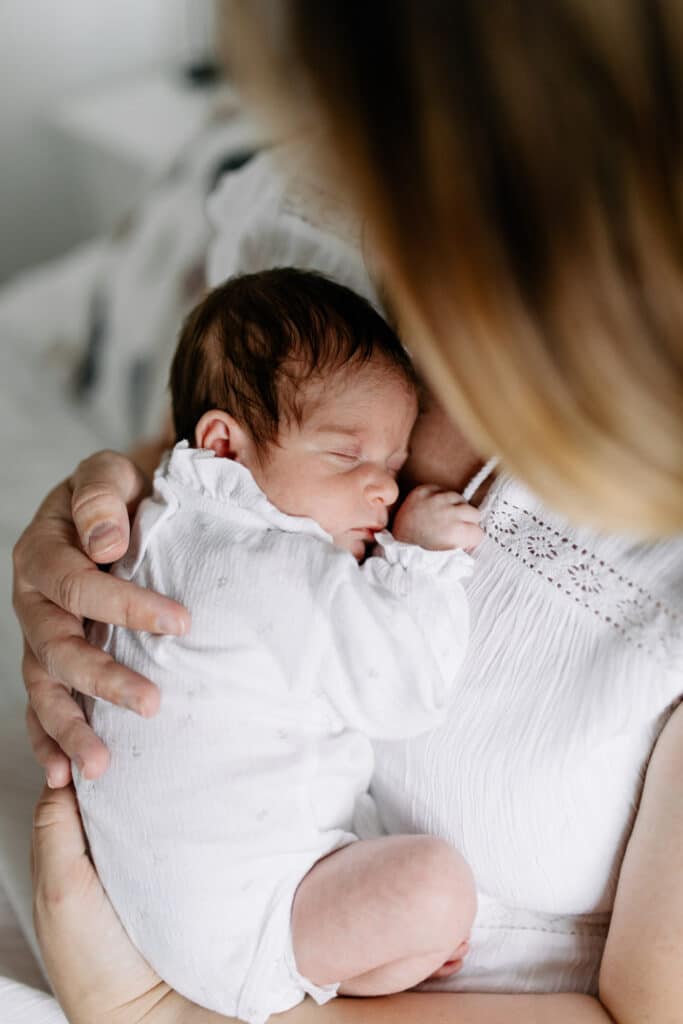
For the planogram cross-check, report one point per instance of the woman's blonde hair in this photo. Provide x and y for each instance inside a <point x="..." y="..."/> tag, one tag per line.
<point x="520" y="166"/>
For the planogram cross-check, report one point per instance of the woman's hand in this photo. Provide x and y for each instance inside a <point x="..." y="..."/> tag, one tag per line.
<point x="57" y="585"/>
<point x="95" y="971"/>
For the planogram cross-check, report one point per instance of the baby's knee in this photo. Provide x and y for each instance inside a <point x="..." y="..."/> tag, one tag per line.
<point x="447" y="894"/>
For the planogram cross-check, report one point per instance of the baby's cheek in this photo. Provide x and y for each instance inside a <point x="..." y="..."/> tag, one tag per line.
<point x="403" y="492"/>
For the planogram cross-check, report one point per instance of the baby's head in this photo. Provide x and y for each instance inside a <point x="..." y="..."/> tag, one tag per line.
<point x="301" y="381"/>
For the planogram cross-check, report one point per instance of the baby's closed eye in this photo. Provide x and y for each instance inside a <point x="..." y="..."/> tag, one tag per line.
<point x="345" y="456"/>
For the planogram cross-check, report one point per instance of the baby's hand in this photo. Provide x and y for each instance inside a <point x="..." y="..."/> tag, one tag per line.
<point x="437" y="520"/>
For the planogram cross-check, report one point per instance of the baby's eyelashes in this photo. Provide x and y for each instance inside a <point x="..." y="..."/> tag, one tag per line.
<point x="346" y="457"/>
<point x="351" y="458"/>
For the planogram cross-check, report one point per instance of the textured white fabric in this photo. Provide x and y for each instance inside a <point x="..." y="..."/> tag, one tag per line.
<point x="212" y="812"/>
<point x="16" y="959"/>
<point x="275" y="214"/>
<point x="574" y="663"/>
<point x="21" y="1004"/>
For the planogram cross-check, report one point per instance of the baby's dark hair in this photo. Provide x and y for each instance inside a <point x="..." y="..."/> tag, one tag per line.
<point x="252" y="341"/>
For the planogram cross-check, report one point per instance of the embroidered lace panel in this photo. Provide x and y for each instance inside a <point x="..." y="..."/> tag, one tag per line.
<point x="638" y="615"/>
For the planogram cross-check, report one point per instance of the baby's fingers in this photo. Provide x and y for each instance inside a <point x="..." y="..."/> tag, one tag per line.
<point x="464" y="511"/>
<point x="467" y="513"/>
<point x="467" y="535"/>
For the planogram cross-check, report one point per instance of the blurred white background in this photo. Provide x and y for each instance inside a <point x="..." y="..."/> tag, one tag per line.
<point x="54" y="55"/>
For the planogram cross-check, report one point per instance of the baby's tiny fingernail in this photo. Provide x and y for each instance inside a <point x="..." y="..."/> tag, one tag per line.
<point x="103" y="538"/>
<point x="49" y="781"/>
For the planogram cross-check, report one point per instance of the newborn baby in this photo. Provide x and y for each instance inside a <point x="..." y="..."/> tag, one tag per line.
<point x="226" y="830"/>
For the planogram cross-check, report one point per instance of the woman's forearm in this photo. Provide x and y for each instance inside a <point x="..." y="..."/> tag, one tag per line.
<point x="419" y="1008"/>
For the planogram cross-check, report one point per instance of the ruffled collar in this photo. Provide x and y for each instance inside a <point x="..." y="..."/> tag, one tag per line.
<point x="230" y="486"/>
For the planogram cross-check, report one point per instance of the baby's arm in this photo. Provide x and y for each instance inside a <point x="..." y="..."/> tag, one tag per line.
<point x="380" y="916"/>
<point x="399" y="629"/>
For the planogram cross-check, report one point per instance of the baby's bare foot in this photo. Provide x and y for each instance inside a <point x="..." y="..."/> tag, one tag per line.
<point x="454" y="962"/>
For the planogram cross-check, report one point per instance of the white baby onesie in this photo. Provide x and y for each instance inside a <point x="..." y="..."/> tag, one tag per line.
<point x="213" y="811"/>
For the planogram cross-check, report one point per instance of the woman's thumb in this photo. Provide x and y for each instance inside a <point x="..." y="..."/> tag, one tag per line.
<point x="58" y="844"/>
<point x="106" y="488"/>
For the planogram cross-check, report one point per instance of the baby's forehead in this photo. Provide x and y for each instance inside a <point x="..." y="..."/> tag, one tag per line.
<point x="358" y="381"/>
<point x="359" y="401"/>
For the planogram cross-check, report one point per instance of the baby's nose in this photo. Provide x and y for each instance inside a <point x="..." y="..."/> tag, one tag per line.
<point x="383" y="488"/>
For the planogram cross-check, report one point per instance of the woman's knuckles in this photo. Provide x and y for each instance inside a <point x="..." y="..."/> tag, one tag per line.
<point x="92" y="502"/>
<point x="49" y="654"/>
<point x="107" y="684"/>
<point x="20" y="558"/>
<point x="110" y="471"/>
<point x="70" y="589"/>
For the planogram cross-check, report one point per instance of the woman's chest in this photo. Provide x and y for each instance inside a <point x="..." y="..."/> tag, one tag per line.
<point x="573" y="665"/>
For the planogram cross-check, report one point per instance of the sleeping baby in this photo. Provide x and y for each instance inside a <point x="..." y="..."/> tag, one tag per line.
<point x="234" y="832"/>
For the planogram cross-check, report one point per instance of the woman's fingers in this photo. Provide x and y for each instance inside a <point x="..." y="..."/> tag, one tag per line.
<point x="48" y="561"/>
<point x="96" y="972"/>
<point x="52" y="760"/>
<point x="58" y="847"/>
<point x="68" y="579"/>
<point x="106" y="488"/>
<point x="56" y="586"/>
<point x="58" y="730"/>
<point x="68" y="658"/>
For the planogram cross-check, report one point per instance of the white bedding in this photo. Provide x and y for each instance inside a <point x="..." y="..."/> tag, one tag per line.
<point x="23" y="995"/>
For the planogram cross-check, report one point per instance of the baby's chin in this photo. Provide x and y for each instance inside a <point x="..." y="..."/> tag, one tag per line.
<point x="355" y="545"/>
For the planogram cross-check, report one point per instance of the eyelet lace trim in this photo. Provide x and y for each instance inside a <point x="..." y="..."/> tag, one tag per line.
<point x="588" y="580"/>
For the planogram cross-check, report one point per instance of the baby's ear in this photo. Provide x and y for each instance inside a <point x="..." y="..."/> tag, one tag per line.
<point x="222" y="434"/>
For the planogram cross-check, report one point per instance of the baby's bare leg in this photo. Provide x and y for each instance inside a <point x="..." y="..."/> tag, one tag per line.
<point x="381" y="915"/>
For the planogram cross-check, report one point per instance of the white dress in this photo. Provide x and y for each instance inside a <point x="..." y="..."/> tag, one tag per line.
<point x="575" y="662"/>
<point x="212" y="812"/>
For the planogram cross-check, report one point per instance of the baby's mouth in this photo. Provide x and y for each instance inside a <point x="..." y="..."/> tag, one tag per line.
<point x="366" y="532"/>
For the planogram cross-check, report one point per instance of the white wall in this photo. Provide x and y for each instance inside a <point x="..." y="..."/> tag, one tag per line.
<point x="50" y="49"/>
